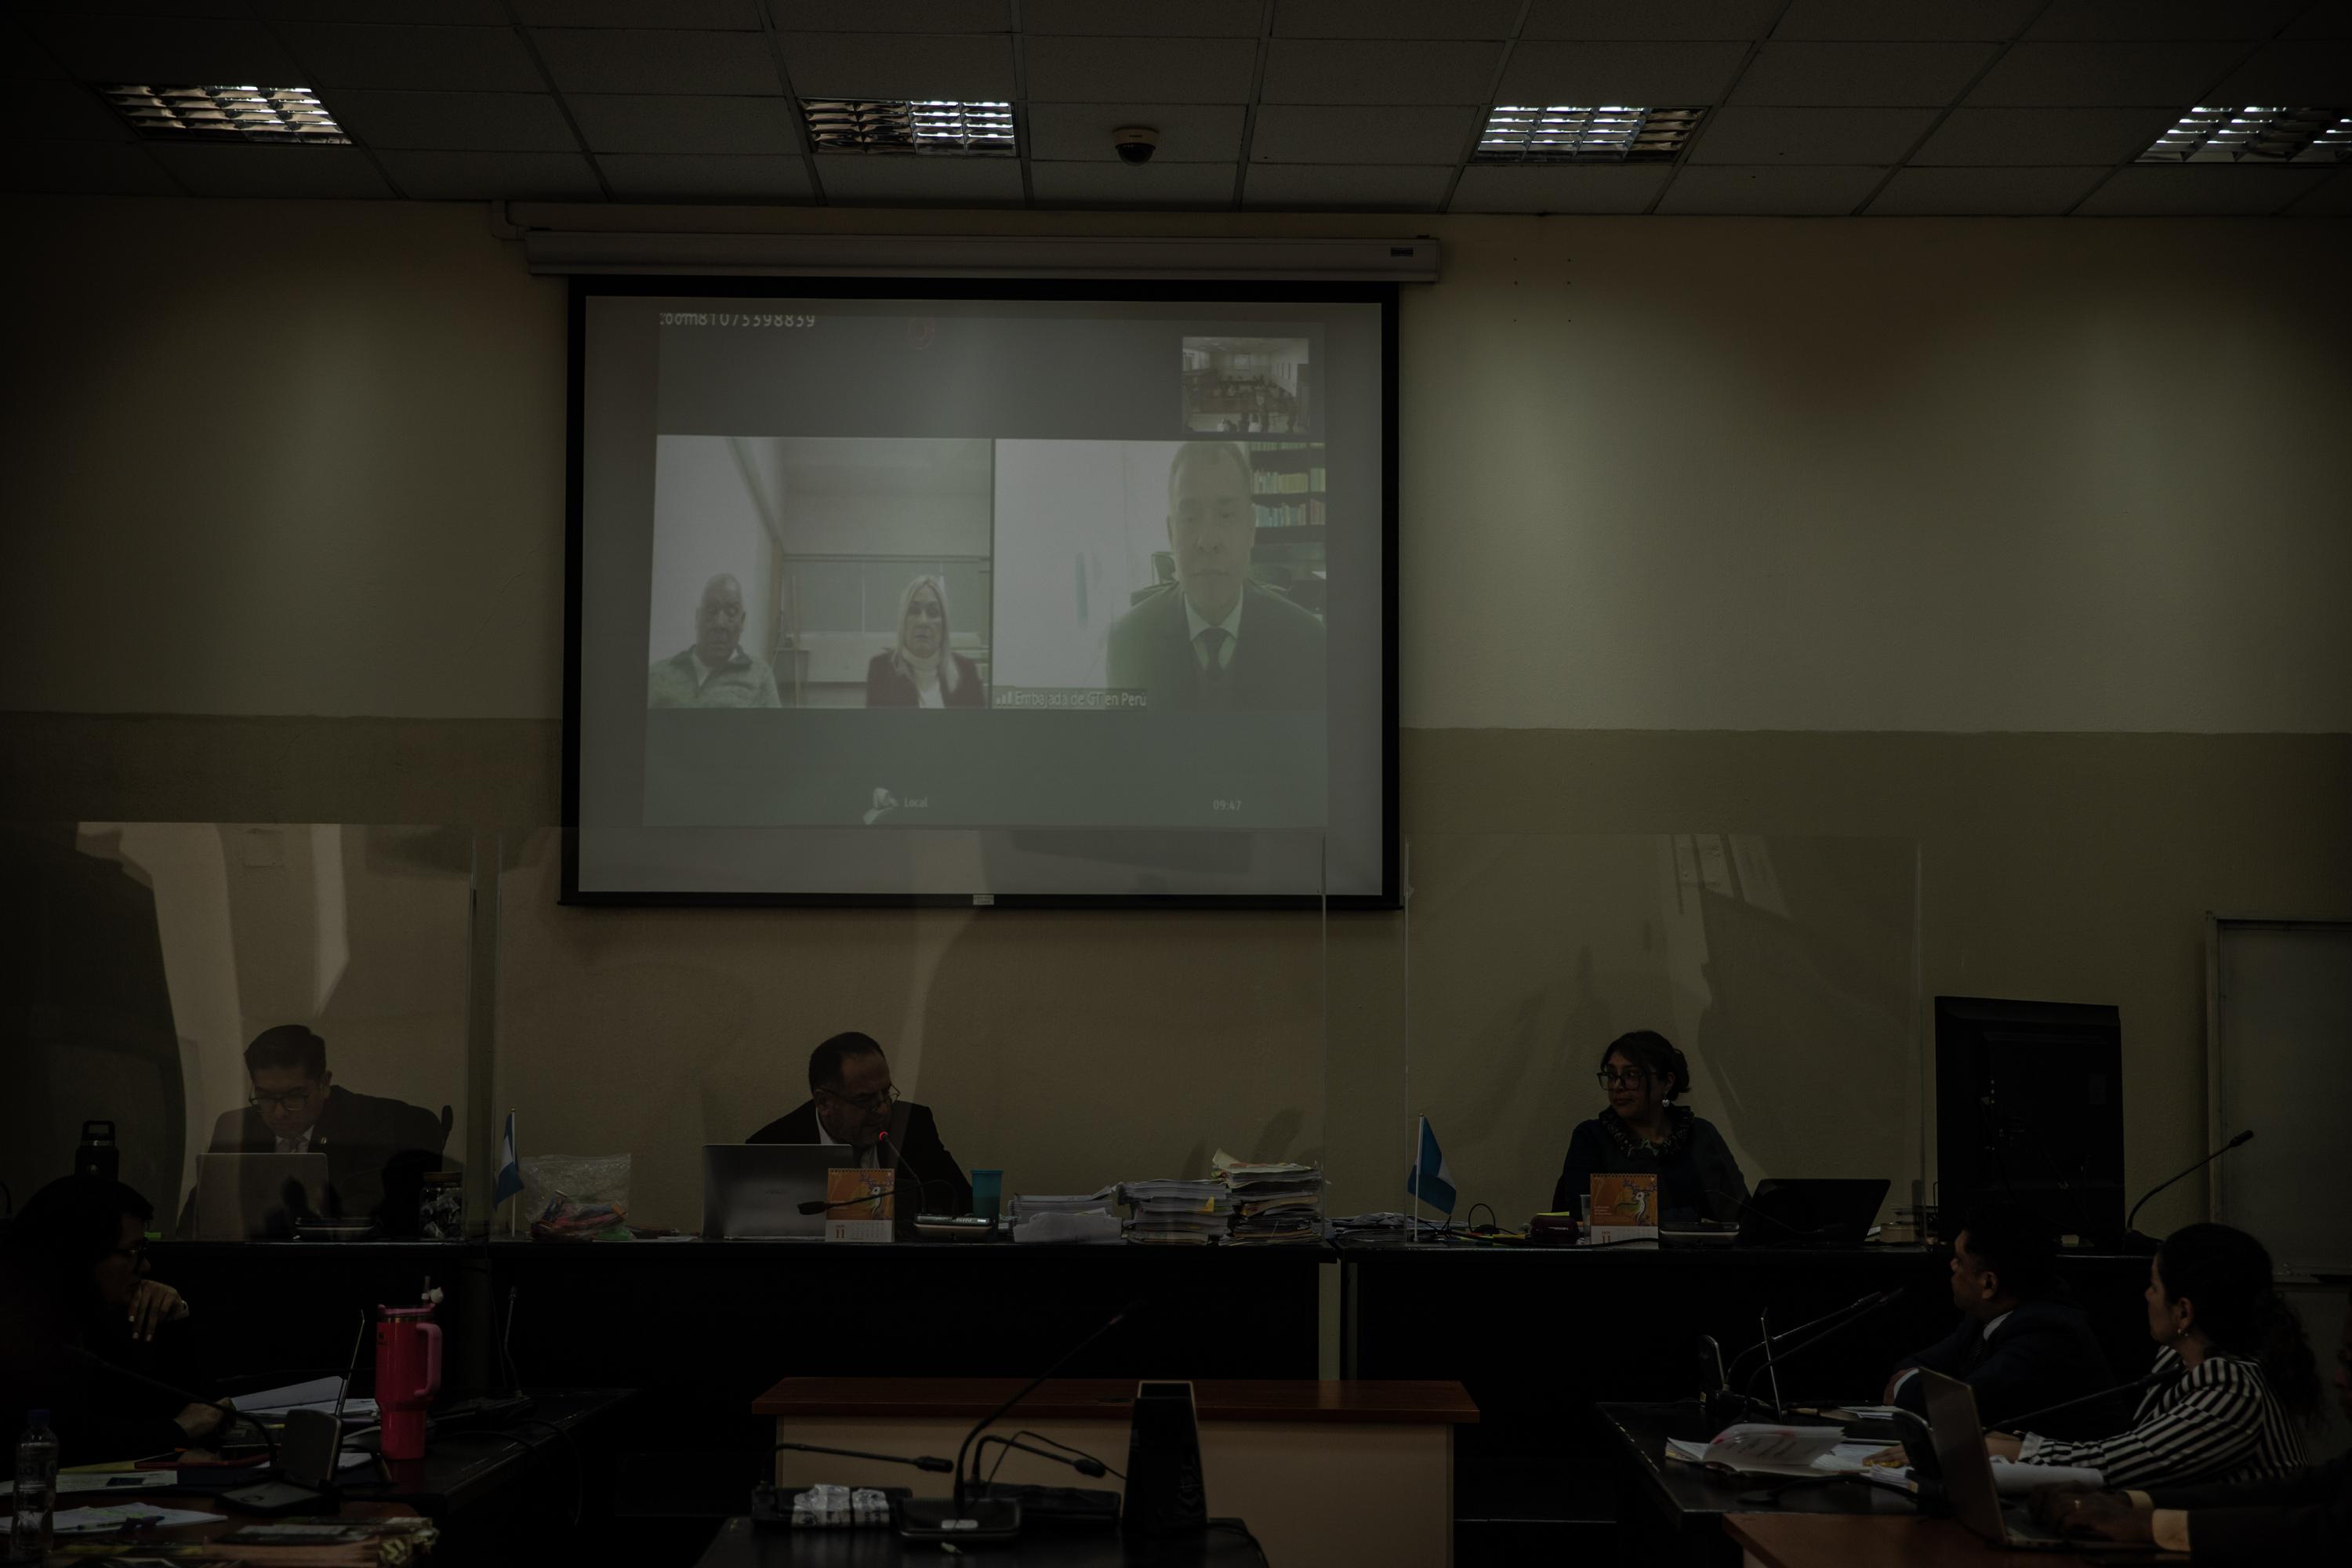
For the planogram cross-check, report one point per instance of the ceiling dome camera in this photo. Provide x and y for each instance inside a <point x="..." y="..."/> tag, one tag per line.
<point x="1136" y="144"/>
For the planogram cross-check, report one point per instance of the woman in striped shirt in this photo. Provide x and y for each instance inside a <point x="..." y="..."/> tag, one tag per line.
<point x="2247" y="1377"/>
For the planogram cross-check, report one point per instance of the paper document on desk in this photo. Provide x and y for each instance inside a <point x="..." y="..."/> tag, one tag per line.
<point x="2010" y="1478"/>
<point x="98" y="1521"/>
<point x="1758" y="1448"/>
<point x="318" y="1394"/>
<point x="70" y="1483"/>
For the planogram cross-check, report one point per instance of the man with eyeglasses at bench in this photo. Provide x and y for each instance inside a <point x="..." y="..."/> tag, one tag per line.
<point x="377" y="1148"/>
<point x="852" y="1103"/>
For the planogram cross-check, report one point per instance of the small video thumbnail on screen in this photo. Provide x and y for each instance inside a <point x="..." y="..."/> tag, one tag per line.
<point x="1247" y="386"/>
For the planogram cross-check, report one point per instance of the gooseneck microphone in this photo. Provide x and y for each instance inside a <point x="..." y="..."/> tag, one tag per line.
<point x="920" y="1461"/>
<point x="2153" y="1380"/>
<point x="1859" y="1304"/>
<point x="898" y="1160"/>
<point x="1850" y="1316"/>
<point x="235" y="1416"/>
<point x="923" y="1516"/>
<point x="2148" y="1243"/>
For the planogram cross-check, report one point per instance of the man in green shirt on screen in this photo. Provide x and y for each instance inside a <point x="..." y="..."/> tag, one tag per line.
<point x="716" y="671"/>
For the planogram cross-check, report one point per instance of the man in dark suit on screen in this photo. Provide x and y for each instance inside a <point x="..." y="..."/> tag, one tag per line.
<point x="1213" y="639"/>
<point x="2019" y="1343"/>
<point x="852" y="1103"/>
<point x="376" y="1148"/>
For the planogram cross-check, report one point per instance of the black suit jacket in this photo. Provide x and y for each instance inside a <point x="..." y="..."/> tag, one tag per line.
<point x="913" y="1131"/>
<point x="2043" y="1353"/>
<point x="887" y="687"/>
<point x="2303" y="1518"/>
<point x="376" y="1150"/>
<point x="1278" y="662"/>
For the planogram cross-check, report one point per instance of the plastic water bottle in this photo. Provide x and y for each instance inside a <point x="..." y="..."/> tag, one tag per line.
<point x="36" y="1489"/>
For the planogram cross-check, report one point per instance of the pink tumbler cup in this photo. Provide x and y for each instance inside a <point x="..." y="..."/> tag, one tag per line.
<point x="408" y="1376"/>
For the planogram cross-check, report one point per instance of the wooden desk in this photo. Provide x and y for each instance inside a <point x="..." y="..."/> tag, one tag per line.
<point x="1352" y="1472"/>
<point x="1851" y="1541"/>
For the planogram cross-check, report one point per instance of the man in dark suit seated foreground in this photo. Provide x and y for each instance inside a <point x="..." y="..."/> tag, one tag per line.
<point x="2306" y="1516"/>
<point x="1213" y="639"/>
<point x="852" y="1103"/>
<point x="376" y="1148"/>
<point x="2019" y="1343"/>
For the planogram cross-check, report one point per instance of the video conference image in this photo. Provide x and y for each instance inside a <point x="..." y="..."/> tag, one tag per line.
<point x="986" y="568"/>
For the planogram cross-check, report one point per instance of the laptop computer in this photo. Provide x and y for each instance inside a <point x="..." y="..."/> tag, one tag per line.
<point x="1812" y="1211"/>
<point x="755" y="1189"/>
<point x="1969" y="1483"/>
<point x="243" y="1197"/>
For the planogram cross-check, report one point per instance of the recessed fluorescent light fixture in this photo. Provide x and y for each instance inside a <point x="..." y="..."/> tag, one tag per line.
<point x="226" y="114"/>
<point x="2256" y="135"/>
<point x="1583" y="133"/>
<point x="936" y="126"/>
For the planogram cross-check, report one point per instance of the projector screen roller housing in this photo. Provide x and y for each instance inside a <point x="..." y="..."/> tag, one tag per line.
<point x="1043" y="594"/>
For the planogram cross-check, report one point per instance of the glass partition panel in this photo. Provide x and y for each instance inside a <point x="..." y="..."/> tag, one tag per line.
<point x="1785" y="970"/>
<point x="1068" y="1049"/>
<point x="248" y="990"/>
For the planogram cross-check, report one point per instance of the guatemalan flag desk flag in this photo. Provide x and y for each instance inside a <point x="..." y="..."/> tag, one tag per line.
<point x="510" y="1181"/>
<point x="1429" y="1181"/>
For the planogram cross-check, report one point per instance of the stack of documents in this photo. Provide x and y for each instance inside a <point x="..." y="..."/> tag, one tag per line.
<point x="1177" y="1214"/>
<point x="1274" y="1205"/>
<point x="1066" y="1217"/>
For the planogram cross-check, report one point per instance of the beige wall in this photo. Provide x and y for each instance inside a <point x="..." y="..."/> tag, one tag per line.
<point x="1745" y="527"/>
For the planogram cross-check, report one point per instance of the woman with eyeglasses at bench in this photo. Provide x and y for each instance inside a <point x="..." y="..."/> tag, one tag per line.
<point x="1645" y="1132"/>
<point x="76" y="1304"/>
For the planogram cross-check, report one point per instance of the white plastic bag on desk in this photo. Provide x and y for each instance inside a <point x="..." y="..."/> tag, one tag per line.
<point x="575" y="1195"/>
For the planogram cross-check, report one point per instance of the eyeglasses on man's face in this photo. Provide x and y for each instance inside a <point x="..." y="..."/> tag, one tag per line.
<point x="292" y="1099"/>
<point x="1631" y="1077"/>
<point x="868" y="1103"/>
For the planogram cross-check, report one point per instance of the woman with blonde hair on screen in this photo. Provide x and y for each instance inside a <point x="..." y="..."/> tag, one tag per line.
<point x="921" y="670"/>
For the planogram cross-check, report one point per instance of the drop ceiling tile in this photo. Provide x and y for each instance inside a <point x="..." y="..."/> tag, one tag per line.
<point x="2043" y="136"/>
<point x="645" y="59"/>
<point x="685" y="124"/>
<point x="1781" y="190"/>
<point x="1646" y="19"/>
<point x="346" y="54"/>
<point x="428" y="176"/>
<point x="1354" y="187"/>
<point x="735" y="177"/>
<point x="1338" y="70"/>
<point x="83" y="168"/>
<point x="904" y="16"/>
<point x="1559" y="187"/>
<point x="166" y="49"/>
<point x="218" y="169"/>
<point x="1303" y="133"/>
<point x="2313" y="71"/>
<point x="1192" y="19"/>
<point x="1809" y="135"/>
<point x="853" y="178"/>
<point x="716" y="15"/>
<point x="469" y="121"/>
<point x="2163" y="18"/>
<point x="2081" y="74"/>
<point x="1879" y="73"/>
<point x="2189" y="189"/>
<point x="1997" y="20"/>
<point x="1189" y="132"/>
<point x="2331" y="199"/>
<point x="1395" y="20"/>
<point x="1153" y="185"/>
<point x="58" y="111"/>
<point x="1655" y="75"/>
<point x="1985" y="192"/>
<point x="899" y="66"/>
<point x="415" y="13"/>
<point x="22" y="57"/>
<point x="1148" y="70"/>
